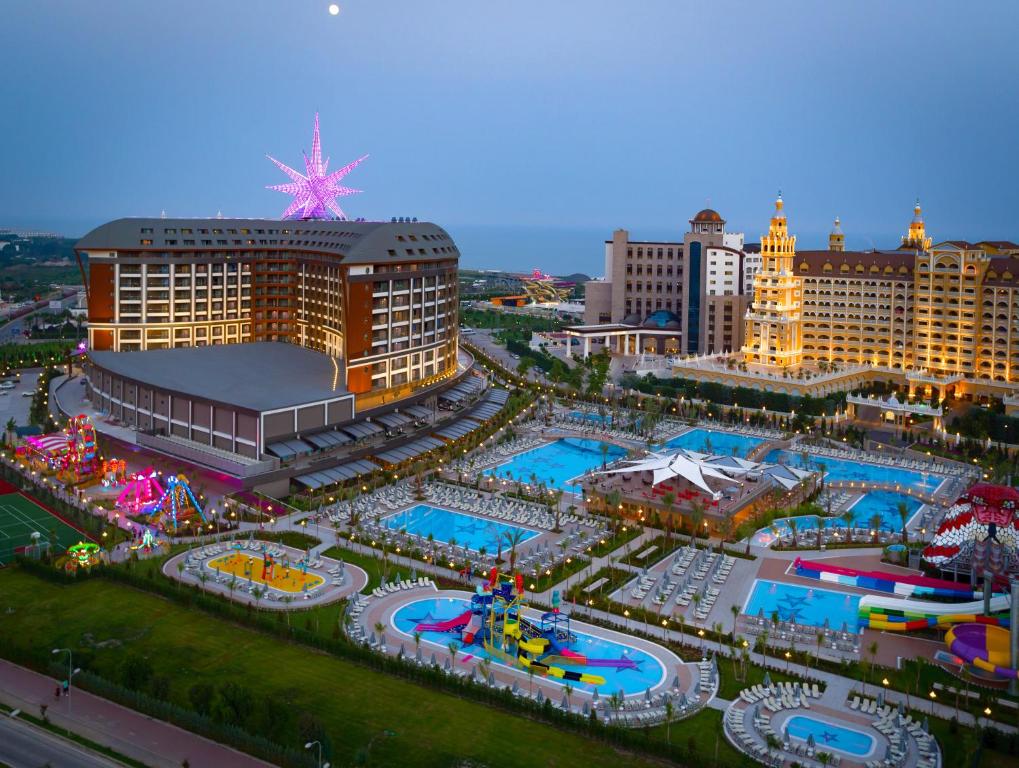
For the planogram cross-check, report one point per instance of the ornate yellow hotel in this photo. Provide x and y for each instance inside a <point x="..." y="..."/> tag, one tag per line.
<point x="942" y="318"/>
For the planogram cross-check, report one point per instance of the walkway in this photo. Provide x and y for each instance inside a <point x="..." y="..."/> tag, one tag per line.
<point x="129" y="733"/>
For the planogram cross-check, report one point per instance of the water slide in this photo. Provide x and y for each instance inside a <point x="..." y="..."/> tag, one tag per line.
<point x="580" y="659"/>
<point x="985" y="647"/>
<point x="471" y="630"/>
<point x="536" y="646"/>
<point x="446" y="625"/>
<point x="898" y="615"/>
<point x="905" y="585"/>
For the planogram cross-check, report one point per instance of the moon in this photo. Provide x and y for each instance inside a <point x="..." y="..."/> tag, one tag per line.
<point x="334" y="9"/>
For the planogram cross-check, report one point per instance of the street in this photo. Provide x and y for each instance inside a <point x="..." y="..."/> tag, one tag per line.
<point x="24" y="745"/>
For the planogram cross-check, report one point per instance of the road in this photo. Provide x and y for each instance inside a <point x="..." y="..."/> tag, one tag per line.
<point x="482" y="339"/>
<point x="23" y="745"/>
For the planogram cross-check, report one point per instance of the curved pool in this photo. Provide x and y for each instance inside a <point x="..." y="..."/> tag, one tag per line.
<point x="715" y="442"/>
<point x="829" y="737"/>
<point x="558" y="463"/>
<point x="848" y="470"/>
<point x="645" y="671"/>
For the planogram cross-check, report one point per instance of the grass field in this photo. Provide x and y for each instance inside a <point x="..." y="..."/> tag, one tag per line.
<point x="354" y="703"/>
<point x="20" y="517"/>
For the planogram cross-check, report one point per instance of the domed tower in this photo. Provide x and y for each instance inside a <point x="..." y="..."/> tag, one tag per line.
<point x="774" y="326"/>
<point x="916" y="237"/>
<point x="836" y="240"/>
<point x="707" y="222"/>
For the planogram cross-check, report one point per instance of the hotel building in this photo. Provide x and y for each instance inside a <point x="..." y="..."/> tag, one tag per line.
<point x="381" y="297"/>
<point x="675" y="297"/>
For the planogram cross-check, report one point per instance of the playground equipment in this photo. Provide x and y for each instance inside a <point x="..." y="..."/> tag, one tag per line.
<point x="983" y="524"/>
<point x="495" y="621"/>
<point x="113" y="472"/>
<point x="71" y="452"/>
<point x="142" y="491"/>
<point x="82" y="555"/>
<point x="176" y="505"/>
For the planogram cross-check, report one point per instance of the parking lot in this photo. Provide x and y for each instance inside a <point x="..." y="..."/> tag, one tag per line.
<point x="15" y="403"/>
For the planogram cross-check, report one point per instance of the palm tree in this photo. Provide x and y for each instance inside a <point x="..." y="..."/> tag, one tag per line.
<point x="569" y="697"/>
<point x="258" y="594"/>
<point x="453" y="648"/>
<point x="875" y="525"/>
<point x="848" y="518"/>
<point x="817" y="654"/>
<point x="180" y="571"/>
<point x="696" y="517"/>
<point x="417" y="643"/>
<point x="667" y="501"/>
<point x="903" y="511"/>
<point x="232" y="585"/>
<point x="513" y="538"/>
<point x="669" y="709"/>
<point x="872" y="652"/>
<point x="9" y="429"/>
<point x="203" y="577"/>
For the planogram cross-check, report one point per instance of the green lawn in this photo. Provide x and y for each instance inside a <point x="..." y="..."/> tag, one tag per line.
<point x="354" y="703"/>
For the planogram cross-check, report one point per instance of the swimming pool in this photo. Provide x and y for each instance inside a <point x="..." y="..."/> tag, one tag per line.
<point x="845" y="470"/>
<point x="444" y="525"/>
<point x="645" y="672"/>
<point x="803" y="605"/>
<point x="883" y="504"/>
<point x="606" y="421"/>
<point x="829" y="737"/>
<point x="716" y="442"/>
<point x="556" y="464"/>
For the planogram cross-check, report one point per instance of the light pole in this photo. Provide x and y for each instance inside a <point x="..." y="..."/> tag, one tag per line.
<point x="317" y="743"/>
<point x="70" y="669"/>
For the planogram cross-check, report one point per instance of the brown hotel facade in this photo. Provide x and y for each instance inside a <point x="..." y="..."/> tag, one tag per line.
<point x="379" y="297"/>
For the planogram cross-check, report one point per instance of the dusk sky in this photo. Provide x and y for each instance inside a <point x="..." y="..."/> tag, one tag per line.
<point x="529" y="129"/>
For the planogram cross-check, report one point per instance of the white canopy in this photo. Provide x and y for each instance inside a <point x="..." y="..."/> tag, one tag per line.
<point x="690" y="466"/>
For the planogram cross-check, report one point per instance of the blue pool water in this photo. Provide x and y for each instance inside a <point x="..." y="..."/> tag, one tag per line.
<point x="556" y="464"/>
<point x="649" y="671"/>
<point x="882" y="503"/>
<point x="712" y="441"/>
<point x="605" y="421"/>
<point x="803" y="605"/>
<point x="859" y="471"/>
<point x="828" y="737"/>
<point x="469" y="531"/>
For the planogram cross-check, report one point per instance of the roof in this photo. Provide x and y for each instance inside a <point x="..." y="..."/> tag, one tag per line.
<point x="259" y="376"/>
<point x="816" y="260"/>
<point x="708" y="215"/>
<point x="356" y="242"/>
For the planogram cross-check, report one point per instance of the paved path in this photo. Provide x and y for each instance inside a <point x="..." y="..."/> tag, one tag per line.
<point x="129" y="733"/>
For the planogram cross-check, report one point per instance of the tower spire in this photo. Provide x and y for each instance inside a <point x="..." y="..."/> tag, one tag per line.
<point x="836" y="240"/>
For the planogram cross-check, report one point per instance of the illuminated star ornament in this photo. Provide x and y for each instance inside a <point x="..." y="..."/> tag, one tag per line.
<point x="316" y="190"/>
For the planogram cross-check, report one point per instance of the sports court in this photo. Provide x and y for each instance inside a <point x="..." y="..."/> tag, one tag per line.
<point x="20" y="517"/>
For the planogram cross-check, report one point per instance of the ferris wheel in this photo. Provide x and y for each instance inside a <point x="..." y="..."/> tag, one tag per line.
<point x="81" y="446"/>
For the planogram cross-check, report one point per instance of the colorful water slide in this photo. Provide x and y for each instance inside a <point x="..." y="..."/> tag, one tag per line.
<point x="985" y="647"/>
<point x="581" y="660"/>
<point x="896" y="615"/>
<point x="447" y="625"/>
<point x="536" y="647"/>
<point x="471" y="630"/>
<point x="904" y="585"/>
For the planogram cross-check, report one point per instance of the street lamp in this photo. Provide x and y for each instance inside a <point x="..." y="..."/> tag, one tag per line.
<point x="933" y="697"/>
<point x="318" y="743"/>
<point x="70" y="669"/>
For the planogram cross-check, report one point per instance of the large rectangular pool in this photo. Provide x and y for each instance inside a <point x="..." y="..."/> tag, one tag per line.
<point x="803" y="605"/>
<point x="846" y="470"/>
<point x="715" y="442"/>
<point x="445" y="526"/>
<point x="557" y="464"/>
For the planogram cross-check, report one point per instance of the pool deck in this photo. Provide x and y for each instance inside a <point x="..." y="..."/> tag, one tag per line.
<point x="355" y="579"/>
<point x="381" y="610"/>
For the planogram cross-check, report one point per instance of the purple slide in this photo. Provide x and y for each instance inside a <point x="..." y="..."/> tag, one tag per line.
<point x="577" y="658"/>
<point x="447" y="625"/>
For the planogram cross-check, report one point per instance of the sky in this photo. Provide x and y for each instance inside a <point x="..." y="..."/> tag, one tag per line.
<point x="529" y="129"/>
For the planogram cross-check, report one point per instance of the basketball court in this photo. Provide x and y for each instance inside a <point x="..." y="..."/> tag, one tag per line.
<point x="20" y="517"/>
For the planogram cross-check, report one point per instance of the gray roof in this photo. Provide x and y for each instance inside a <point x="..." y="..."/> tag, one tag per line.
<point x="355" y="242"/>
<point x="260" y="376"/>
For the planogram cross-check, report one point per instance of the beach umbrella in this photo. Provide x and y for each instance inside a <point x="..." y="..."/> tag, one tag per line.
<point x="881" y="698"/>
<point x="595" y="696"/>
<point x="683" y="701"/>
<point x="491" y="679"/>
<point x="647" y="695"/>
<point x="516" y="688"/>
<point x="767" y="679"/>
<point x="372" y="638"/>
<point x="399" y="654"/>
<point x="541" y="696"/>
<point x="565" y="703"/>
<point x="587" y="709"/>
<point x="926" y="725"/>
<point x="474" y="674"/>
<point x="433" y="662"/>
<point x="413" y="574"/>
<point x="888" y="752"/>
<point x="417" y="654"/>
<point x="810" y="741"/>
<point x="902" y="708"/>
<point x="696" y="687"/>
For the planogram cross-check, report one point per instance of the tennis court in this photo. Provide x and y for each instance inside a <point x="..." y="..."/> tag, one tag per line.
<point x="20" y="517"/>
